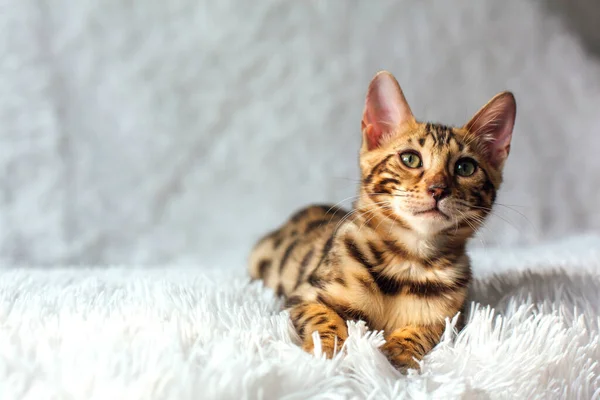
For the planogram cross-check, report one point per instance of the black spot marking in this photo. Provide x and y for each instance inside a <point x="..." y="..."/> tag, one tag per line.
<point x="430" y="132"/>
<point x="422" y="142"/>
<point x="332" y="210"/>
<point x="301" y="314"/>
<point x="286" y="255"/>
<point x="322" y="300"/>
<point x="386" y="185"/>
<point x="312" y="225"/>
<point x="346" y="313"/>
<point x="322" y="320"/>
<point x="277" y="240"/>
<point x="316" y="315"/>
<point x="387" y="285"/>
<point x="263" y="267"/>
<point x="303" y="265"/>
<point x="379" y="189"/>
<point x="444" y="260"/>
<point x="279" y="290"/>
<point x="376" y="169"/>
<point x="326" y="249"/>
<point x="316" y="281"/>
<point x="442" y="134"/>
<point x="301" y="328"/>
<point x="377" y="254"/>
<point x="488" y="187"/>
<point x="387" y="181"/>
<point x="340" y="280"/>
<point x="356" y="254"/>
<point x="433" y="289"/>
<point x="476" y="195"/>
<point x="293" y="301"/>
<point x="395" y="248"/>
<point x="419" y="346"/>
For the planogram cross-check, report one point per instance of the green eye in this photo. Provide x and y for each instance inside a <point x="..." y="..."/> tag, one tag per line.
<point x="465" y="167"/>
<point x="411" y="160"/>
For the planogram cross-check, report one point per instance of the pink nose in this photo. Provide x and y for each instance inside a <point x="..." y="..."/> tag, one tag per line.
<point x="438" y="192"/>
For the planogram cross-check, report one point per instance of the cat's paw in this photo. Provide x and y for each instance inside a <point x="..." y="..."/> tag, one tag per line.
<point x="399" y="356"/>
<point x="330" y="345"/>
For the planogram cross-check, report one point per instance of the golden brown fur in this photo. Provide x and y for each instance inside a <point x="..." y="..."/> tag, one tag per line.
<point x="397" y="260"/>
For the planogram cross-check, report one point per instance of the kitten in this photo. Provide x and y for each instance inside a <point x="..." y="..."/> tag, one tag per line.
<point x="398" y="260"/>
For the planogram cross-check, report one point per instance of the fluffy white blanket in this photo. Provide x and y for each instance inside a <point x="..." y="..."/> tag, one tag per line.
<point x="189" y="333"/>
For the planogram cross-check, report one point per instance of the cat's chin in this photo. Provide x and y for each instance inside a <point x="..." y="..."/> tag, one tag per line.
<point x="427" y="223"/>
<point x="432" y="213"/>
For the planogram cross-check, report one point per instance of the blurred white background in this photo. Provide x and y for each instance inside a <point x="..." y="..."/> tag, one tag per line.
<point x="179" y="131"/>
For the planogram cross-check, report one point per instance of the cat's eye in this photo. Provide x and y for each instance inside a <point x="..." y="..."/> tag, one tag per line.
<point x="411" y="159"/>
<point x="465" y="167"/>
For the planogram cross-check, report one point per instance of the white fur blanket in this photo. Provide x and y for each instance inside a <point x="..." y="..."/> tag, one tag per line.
<point x="185" y="333"/>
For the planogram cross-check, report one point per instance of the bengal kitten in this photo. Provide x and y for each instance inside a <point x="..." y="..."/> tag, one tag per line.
<point x="397" y="261"/>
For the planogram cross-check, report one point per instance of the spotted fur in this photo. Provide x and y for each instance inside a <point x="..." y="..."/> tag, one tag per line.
<point x="389" y="261"/>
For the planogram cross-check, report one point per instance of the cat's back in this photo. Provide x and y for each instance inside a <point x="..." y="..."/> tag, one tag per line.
<point x="284" y="258"/>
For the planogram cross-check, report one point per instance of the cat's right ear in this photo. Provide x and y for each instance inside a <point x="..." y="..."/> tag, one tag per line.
<point x="493" y="125"/>
<point x="386" y="110"/>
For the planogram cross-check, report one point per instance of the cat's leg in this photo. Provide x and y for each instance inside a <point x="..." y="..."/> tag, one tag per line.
<point x="412" y="342"/>
<point x="309" y="317"/>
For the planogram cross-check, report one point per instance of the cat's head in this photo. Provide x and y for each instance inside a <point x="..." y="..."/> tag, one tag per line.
<point x="431" y="177"/>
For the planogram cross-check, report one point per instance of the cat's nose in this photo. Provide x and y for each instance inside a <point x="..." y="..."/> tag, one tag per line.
<point x="438" y="191"/>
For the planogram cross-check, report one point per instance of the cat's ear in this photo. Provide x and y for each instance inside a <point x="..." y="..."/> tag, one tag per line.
<point x="493" y="125"/>
<point x="385" y="110"/>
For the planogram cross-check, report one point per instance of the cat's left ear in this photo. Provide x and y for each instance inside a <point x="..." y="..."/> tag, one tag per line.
<point x="493" y="125"/>
<point x="386" y="110"/>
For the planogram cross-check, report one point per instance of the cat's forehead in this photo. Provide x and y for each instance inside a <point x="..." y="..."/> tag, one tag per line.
<point x="439" y="137"/>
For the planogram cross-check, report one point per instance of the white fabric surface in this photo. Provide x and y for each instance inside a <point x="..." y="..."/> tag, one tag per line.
<point x="169" y="131"/>
<point x="188" y="333"/>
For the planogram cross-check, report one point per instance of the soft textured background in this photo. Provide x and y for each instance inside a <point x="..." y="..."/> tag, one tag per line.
<point x="177" y="131"/>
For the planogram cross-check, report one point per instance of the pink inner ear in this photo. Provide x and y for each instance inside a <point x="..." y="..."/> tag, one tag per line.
<point x="385" y="109"/>
<point x="383" y="121"/>
<point x="494" y="125"/>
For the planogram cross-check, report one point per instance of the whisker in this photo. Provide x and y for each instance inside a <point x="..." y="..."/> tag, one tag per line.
<point x="339" y="203"/>
<point x="343" y="220"/>
<point x="368" y="220"/>
<point x="520" y="213"/>
<point x="465" y="218"/>
<point x="492" y="212"/>
<point x="351" y="213"/>
<point x="510" y="205"/>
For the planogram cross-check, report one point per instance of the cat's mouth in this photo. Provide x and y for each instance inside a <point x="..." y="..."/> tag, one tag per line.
<point x="433" y="212"/>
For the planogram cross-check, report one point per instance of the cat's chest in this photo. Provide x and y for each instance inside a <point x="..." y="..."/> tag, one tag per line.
<point x="420" y="299"/>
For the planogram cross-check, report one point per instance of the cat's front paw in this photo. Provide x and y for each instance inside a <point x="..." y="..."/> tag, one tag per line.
<point x="330" y="345"/>
<point x="399" y="356"/>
